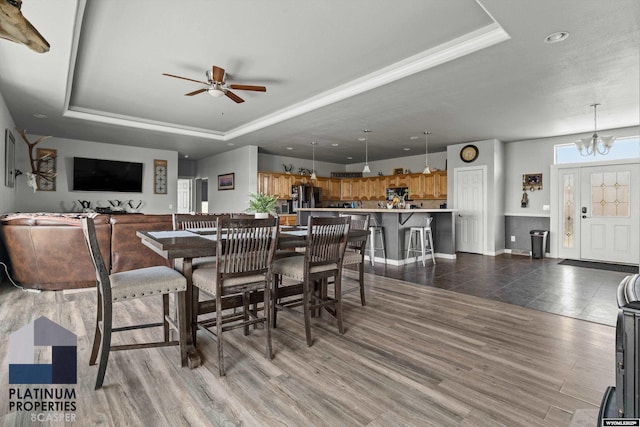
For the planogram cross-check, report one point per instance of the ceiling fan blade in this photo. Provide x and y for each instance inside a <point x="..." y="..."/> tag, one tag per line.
<point x="195" y="92"/>
<point x="184" y="78"/>
<point x="234" y="96"/>
<point x="249" y="87"/>
<point x="217" y="73"/>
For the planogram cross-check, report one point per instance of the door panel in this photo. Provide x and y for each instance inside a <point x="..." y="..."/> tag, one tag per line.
<point x="610" y="213"/>
<point x="469" y="202"/>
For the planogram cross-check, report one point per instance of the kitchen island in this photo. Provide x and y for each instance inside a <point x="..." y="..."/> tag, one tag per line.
<point x="396" y="224"/>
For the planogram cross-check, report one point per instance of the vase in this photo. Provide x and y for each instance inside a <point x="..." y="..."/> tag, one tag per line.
<point x="262" y="215"/>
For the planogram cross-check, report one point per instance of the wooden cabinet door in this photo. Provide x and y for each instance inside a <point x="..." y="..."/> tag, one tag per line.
<point x="441" y="184"/>
<point x="264" y="183"/>
<point x="377" y="189"/>
<point x="334" y="189"/>
<point x="345" y="189"/>
<point x="429" y="186"/>
<point x="416" y="186"/>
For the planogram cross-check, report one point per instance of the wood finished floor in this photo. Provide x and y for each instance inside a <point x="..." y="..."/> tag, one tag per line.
<point x="414" y="356"/>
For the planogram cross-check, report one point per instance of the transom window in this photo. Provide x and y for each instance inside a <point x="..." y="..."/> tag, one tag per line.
<point x="623" y="148"/>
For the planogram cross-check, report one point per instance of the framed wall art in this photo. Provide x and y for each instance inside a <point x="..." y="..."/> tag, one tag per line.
<point x="227" y="181"/>
<point x="47" y="166"/>
<point x="9" y="159"/>
<point x="532" y="181"/>
<point x="160" y="177"/>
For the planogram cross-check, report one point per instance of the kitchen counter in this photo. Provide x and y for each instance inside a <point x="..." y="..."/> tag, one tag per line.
<point x="396" y="224"/>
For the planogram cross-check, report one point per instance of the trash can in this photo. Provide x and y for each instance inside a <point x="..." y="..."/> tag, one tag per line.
<point x="538" y="243"/>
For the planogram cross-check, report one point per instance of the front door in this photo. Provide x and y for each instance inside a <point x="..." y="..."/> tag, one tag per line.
<point x="469" y="191"/>
<point x="609" y="213"/>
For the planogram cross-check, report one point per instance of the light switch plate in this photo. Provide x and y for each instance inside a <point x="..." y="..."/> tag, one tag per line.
<point x="545" y="207"/>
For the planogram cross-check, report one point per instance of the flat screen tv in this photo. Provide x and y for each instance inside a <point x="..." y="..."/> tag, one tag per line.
<point x="106" y="175"/>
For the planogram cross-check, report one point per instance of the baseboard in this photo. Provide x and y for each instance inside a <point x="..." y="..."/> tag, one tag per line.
<point x="399" y="262"/>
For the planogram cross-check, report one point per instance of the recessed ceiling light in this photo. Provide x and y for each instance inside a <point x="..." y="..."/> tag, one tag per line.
<point x="556" y="37"/>
<point x="349" y="158"/>
<point x="289" y="148"/>
<point x="414" y="137"/>
<point x="230" y="143"/>
<point x="186" y="156"/>
<point x="40" y="116"/>
<point x="407" y="149"/>
<point x="362" y="138"/>
<point x="335" y="144"/>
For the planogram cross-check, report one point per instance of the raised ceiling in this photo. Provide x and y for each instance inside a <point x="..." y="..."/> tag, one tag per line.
<point x="465" y="70"/>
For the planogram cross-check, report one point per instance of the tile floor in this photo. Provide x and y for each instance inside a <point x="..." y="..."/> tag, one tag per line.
<point x="578" y="292"/>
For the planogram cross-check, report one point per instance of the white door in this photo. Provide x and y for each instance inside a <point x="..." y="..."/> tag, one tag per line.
<point x="609" y="213"/>
<point x="184" y="196"/>
<point x="469" y="196"/>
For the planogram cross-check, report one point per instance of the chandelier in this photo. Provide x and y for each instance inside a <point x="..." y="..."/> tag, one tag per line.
<point x="596" y="144"/>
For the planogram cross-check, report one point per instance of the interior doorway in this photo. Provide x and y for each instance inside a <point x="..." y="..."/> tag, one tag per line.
<point x="201" y="195"/>
<point x="185" y="195"/>
<point x="470" y="193"/>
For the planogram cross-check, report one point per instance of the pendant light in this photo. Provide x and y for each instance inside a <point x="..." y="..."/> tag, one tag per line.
<point x="366" y="153"/>
<point x="313" y="173"/>
<point x="426" y="170"/>
<point x="595" y="144"/>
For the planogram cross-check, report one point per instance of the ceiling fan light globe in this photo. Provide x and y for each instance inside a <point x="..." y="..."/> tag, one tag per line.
<point x="215" y="92"/>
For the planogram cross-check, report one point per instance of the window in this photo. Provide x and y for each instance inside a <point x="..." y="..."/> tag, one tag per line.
<point x="623" y="148"/>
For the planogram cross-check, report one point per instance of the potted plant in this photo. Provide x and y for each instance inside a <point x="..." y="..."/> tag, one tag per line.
<point x="262" y="204"/>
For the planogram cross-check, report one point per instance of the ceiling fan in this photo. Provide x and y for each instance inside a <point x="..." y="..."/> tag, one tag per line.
<point x="217" y="86"/>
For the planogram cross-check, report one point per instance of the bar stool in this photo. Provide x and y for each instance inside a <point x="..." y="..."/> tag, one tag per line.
<point x="374" y="230"/>
<point x="423" y="233"/>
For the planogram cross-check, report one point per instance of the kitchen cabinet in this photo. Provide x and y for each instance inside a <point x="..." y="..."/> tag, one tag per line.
<point x="440" y="185"/>
<point x="288" y="219"/>
<point x="431" y="186"/>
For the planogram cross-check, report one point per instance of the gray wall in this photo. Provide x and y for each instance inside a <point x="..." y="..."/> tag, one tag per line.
<point x="7" y="195"/>
<point x="271" y="163"/>
<point x="490" y="155"/>
<point x="414" y="163"/>
<point x="521" y="227"/>
<point x="66" y="200"/>
<point x="243" y="162"/>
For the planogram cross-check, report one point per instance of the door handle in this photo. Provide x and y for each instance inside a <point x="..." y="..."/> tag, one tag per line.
<point x="584" y="216"/>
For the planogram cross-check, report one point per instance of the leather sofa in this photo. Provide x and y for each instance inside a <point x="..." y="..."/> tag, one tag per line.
<point x="48" y="251"/>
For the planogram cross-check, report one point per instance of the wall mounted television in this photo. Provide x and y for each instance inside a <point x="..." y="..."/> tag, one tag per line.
<point x="106" y="175"/>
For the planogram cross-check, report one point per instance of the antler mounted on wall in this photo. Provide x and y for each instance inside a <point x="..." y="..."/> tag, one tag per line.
<point x="37" y="162"/>
<point x="15" y="27"/>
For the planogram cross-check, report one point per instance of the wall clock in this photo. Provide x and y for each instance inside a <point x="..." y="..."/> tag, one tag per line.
<point x="469" y="153"/>
<point x="160" y="176"/>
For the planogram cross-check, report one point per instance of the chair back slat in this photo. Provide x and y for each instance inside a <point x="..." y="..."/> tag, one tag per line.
<point x="326" y="240"/>
<point x="245" y="246"/>
<point x="184" y="221"/>
<point x="102" y="274"/>
<point x="358" y="222"/>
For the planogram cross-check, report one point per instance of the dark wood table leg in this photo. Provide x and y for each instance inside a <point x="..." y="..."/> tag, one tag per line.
<point x="191" y="295"/>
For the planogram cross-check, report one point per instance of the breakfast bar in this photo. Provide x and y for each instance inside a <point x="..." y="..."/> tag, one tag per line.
<point x="396" y="224"/>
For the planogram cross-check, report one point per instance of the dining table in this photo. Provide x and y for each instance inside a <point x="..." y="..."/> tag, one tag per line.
<point x="181" y="247"/>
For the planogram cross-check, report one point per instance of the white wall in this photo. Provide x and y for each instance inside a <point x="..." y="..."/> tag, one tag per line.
<point x="66" y="200"/>
<point x="271" y="163"/>
<point x="414" y="163"/>
<point x="7" y="195"/>
<point x="243" y="162"/>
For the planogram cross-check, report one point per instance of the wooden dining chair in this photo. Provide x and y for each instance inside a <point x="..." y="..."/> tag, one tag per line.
<point x="325" y="246"/>
<point x="244" y="253"/>
<point x="354" y="254"/>
<point x="195" y="221"/>
<point x="128" y="285"/>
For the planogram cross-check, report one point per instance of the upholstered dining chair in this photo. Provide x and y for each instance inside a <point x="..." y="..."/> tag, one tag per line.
<point x="128" y="285"/>
<point x="325" y="246"/>
<point x="354" y="254"/>
<point x="245" y="250"/>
